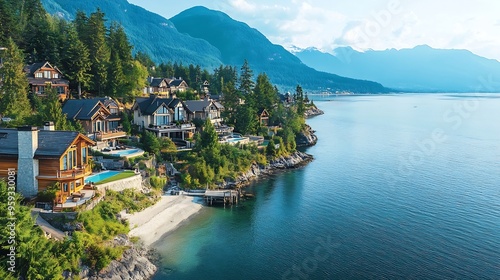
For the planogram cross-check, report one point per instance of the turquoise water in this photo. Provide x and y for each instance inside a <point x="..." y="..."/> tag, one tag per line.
<point x="96" y="178"/>
<point x="402" y="187"/>
<point x="126" y="152"/>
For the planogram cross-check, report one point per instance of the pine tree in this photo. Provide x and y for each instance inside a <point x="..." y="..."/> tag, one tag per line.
<point x="299" y="100"/>
<point x="75" y="60"/>
<point x="231" y="102"/>
<point x="246" y="76"/>
<point x="53" y="111"/>
<point x="8" y="22"/>
<point x="116" y="78"/>
<point x="99" y="51"/>
<point x="14" y="91"/>
<point x="264" y="94"/>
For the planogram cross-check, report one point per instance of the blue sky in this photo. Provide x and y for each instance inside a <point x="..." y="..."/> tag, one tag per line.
<point x="365" y="24"/>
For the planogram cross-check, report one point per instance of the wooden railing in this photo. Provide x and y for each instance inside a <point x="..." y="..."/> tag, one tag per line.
<point x="74" y="173"/>
<point x="110" y="135"/>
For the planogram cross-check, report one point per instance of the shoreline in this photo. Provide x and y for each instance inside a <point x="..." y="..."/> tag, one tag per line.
<point x="151" y="224"/>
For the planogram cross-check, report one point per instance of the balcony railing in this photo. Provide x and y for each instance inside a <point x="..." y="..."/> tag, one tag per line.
<point x="100" y="136"/>
<point x="74" y="173"/>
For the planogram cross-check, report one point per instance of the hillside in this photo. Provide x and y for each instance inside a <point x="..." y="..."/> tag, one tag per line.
<point x="148" y="32"/>
<point x="418" y="69"/>
<point x="237" y="41"/>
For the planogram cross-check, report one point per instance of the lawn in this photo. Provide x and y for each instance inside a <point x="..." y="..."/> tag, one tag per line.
<point x="122" y="175"/>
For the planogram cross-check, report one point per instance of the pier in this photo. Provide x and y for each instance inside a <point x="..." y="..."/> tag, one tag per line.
<point x="212" y="197"/>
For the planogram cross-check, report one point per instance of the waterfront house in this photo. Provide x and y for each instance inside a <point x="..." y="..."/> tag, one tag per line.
<point x="158" y="86"/>
<point x="166" y="117"/>
<point x="100" y="117"/>
<point x="177" y="85"/>
<point x="42" y="76"/>
<point x="203" y="109"/>
<point x="41" y="158"/>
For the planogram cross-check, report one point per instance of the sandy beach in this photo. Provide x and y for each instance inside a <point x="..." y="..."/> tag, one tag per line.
<point x="166" y="215"/>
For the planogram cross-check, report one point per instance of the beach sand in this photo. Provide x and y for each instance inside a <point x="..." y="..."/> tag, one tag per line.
<point x="163" y="217"/>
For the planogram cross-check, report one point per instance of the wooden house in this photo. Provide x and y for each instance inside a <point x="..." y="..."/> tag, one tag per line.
<point x="42" y="158"/>
<point x="42" y="76"/>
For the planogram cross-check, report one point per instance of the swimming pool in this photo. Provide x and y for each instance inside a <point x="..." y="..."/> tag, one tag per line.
<point x="126" y="152"/>
<point x="96" y="178"/>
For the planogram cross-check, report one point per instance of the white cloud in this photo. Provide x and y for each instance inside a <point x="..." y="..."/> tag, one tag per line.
<point x="242" y="5"/>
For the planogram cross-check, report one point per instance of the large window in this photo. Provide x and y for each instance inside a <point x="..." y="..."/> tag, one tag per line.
<point x="65" y="162"/>
<point x="65" y="187"/>
<point x="46" y="74"/>
<point x="70" y="160"/>
<point x="162" y="120"/>
<point x="162" y="117"/>
<point x="39" y="75"/>
<point x="84" y="155"/>
<point x="72" y="184"/>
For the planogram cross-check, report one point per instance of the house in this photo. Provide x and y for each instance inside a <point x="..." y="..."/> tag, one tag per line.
<point x="157" y="86"/>
<point x="99" y="117"/>
<point x="263" y="116"/>
<point x="203" y="109"/>
<point x="166" y="117"/>
<point x="205" y="87"/>
<point x="177" y="85"/>
<point x="41" y="158"/>
<point x="42" y="75"/>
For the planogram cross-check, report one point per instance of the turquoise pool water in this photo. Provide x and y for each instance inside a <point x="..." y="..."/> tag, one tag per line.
<point x="127" y="152"/>
<point x="96" y="178"/>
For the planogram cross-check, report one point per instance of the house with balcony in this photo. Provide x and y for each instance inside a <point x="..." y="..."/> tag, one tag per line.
<point x="100" y="117"/>
<point x="41" y="158"/>
<point x="166" y="117"/>
<point x="42" y="76"/>
<point x="204" y="109"/>
<point x="177" y="85"/>
<point x="158" y="86"/>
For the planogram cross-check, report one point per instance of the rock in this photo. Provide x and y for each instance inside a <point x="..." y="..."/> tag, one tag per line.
<point x="313" y="111"/>
<point x="306" y="138"/>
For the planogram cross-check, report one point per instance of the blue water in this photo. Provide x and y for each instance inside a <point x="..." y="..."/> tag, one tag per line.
<point x="402" y="187"/>
<point x="126" y="152"/>
<point x="96" y="178"/>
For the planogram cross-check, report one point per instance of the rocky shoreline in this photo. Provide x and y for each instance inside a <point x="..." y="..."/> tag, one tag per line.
<point x="313" y="111"/>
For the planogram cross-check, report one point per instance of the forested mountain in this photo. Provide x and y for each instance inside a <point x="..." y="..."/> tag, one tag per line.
<point x="210" y="38"/>
<point x="418" y="69"/>
<point x="237" y="41"/>
<point x="148" y="32"/>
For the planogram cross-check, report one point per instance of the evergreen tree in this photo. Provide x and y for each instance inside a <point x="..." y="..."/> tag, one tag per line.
<point x="99" y="51"/>
<point x="14" y="102"/>
<point x="264" y="94"/>
<point x="299" y="99"/>
<point x="208" y="138"/>
<point x="8" y="22"/>
<point x="231" y="102"/>
<point x="246" y="79"/>
<point x="53" y="111"/>
<point x="246" y="119"/>
<point x="116" y="78"/>
<point x="75" y="60"/>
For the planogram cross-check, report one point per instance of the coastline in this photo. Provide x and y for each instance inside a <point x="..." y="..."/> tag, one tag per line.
<point x="162" y="218"/>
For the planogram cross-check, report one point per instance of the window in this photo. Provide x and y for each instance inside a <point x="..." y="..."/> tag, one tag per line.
<point x="56" y="76"/>
<point x="162" y="120"/>
<point x="46" y="74"/>
<point x="65" y="162"/>
<point x="60" y="90"/>
<point x="70" y="160"/>
<point x="38" y="75"/>
<point x="41" y="89"/>
<point x="74" y="158"/>
<point x="65" y="187"/>
<point x="84" y="155"/>
<point x="162" y="110"/>
<point x="72" y="184"/>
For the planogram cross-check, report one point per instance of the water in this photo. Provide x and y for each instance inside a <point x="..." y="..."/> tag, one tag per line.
<point x="126" y="152"/>
<point x="96" y="178"/>
<point x="404" y="187"/>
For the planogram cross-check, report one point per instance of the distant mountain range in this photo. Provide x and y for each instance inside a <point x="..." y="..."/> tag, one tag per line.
<point x="421" y="69"/>
<point x="210" y="38"/>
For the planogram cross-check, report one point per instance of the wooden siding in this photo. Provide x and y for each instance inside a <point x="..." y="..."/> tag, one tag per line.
<point x="5" y="164"/>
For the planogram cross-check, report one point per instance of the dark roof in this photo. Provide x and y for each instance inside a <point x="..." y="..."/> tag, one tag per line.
<point x="81" y="109"/>
<point x="176" y="82"/>
<point x="50" y="143"/>
<point x="30" y="69"/>
<point x="149" y="105"/>
<point x="155" y="82"/>
<point x="197" y="105"/>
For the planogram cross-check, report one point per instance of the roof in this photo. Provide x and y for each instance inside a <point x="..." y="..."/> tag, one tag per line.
<point x="82" y="109"/>
<point x="176" y="82"/>
<point x="197" y="105"/>
<point x="155" y="82"/>
<point x="149" y="105"/>
<point x="50" y="143"/>
<point x="31" y="69"/>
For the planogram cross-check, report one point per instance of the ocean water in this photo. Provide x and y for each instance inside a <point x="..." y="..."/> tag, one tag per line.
<point x="402" y="187"/>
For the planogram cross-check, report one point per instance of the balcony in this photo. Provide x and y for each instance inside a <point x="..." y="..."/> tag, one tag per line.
<point x="103" y="136"/>
<point x="76" y="173"/>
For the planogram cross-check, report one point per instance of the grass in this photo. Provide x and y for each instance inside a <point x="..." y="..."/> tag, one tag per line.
<point x="119" y="176"/>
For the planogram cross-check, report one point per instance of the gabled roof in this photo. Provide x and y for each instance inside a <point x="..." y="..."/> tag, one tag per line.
<point x="176" y="82"/>
<point x="149" y="105"/>
<point x="82" y="109"/>
<point x="155" y="82"/>
<point x="31" y="69"/>
<point x="50" y="143"/>
<point x="200" y="105"/>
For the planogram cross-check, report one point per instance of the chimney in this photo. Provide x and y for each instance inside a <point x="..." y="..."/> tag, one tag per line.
<point x="27" y="144"/>
<point x="48" y="126"/>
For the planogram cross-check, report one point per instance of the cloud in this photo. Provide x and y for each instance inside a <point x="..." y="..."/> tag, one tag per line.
<point x="242" y="6"/>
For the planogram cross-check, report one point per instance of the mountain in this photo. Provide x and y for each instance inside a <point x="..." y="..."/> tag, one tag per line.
<point x="237" y="41"/>
<point x="148" y="32"/>
<point x="418" y="69"/>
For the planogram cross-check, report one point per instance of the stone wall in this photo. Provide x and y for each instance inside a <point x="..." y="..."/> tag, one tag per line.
<point x="134" y="182"/>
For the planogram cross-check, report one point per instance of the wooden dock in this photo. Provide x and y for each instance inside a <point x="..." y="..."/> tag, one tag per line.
<point x="212" y="197"/>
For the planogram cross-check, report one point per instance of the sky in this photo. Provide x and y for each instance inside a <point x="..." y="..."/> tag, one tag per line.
<point x="364" y="24"/>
